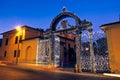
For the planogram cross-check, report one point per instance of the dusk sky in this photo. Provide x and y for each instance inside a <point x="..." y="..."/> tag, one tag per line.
<point x="39" y="13"/>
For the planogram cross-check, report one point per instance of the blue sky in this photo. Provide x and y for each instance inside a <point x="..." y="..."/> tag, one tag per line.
<point x="39" y="13"/>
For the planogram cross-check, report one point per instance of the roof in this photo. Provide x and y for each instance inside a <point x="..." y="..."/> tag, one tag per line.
<point x="46" y="38"/>
<point x="65" y="38"/>
<point x="33" y="38"/>
<point x="22" y="27"/>
<point x="118" y="22"/>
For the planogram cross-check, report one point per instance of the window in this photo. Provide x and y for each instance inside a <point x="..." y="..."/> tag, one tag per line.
<point x="15" y="53"/>
<point x="5" y="53"/>
<point x="18" y="53"/>
<point x="20" y="39"/>
<point x="16" y="40"/>
<point x="6" y="42"/>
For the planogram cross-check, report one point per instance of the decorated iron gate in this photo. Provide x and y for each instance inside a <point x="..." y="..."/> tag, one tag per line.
<point x="100" y="52"/>
<point x="43" y="56"/>
<point x="43" y="51"/>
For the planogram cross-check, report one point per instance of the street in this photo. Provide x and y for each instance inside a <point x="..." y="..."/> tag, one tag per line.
<point x="16" y="73"/>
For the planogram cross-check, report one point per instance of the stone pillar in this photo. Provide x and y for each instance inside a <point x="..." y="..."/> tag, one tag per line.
<point x="78" y="51"/>
<point x="51" y="52"/>
<point x="92" y="57"/>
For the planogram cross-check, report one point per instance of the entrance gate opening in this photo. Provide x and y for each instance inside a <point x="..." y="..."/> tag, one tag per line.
<point x="65" y="51"/>
<point x="76" y="30"/>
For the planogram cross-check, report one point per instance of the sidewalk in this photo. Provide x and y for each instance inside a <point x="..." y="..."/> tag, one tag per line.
<point x="38" y="67"/>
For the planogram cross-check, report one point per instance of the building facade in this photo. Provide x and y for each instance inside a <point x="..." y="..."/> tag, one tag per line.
<point x="12" y="43"/>
<point x="112" y="31"/>
<point x="29" y="45"/>
<point x="61" y="45"/>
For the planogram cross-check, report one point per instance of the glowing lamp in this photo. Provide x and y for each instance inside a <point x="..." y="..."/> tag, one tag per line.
<point x="18" y="28"/>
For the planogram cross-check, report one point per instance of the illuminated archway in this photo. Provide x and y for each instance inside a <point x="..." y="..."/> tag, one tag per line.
<point x="61" y="16"/>
<point x="53" y="27"/>
<point x="80" y="25"/>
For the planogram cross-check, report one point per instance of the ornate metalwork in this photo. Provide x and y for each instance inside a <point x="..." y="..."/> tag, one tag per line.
<point x="90" y="54"/>
<point x="57" y="51"/>
<point x="61" y="16"/>
<point x="101" y="60"/>
<point x="43" y="51"/>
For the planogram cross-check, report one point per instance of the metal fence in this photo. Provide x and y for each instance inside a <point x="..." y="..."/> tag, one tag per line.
<point x="100" y="52"/>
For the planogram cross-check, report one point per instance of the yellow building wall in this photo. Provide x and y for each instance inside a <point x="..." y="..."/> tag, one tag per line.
<point x="26" y="32"/>
<point x="29" y="51"/>
<point x="10" y="47"/>
<point x="113" y="39"/>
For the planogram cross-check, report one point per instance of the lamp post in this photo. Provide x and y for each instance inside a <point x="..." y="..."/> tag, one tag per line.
<point x="20" y="32"/>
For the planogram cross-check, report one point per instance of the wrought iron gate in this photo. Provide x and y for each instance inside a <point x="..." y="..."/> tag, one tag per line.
<point x="100" y="52"/>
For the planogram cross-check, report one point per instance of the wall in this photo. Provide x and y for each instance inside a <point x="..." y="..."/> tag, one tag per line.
<point x="32" y="33"/>
<point x="10" y="47"/>
<point x="113" y="40"/>
<point x="26" y="33"/>
<point x="29" y="51"/>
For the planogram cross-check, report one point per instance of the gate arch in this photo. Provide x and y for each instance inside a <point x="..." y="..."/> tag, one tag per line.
<point x="61" y="16"/>
<point x="53" y="26"/>
<point x="80" y="26"/>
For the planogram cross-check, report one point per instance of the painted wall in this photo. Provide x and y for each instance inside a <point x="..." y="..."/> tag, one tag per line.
<point x="10" y="48"/>
<point x="29" y="51"/>
<point x="113" y="40"/>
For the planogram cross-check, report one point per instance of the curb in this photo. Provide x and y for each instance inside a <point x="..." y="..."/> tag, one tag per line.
<point x="112" y="75"/>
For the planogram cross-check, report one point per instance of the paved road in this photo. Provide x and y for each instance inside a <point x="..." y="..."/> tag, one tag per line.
<point x="11" y="73"/>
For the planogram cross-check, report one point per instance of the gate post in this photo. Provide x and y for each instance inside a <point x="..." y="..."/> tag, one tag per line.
<point x="92" y="57"/>
<point x="51" y="54"/>
<point x="78" y="50"/>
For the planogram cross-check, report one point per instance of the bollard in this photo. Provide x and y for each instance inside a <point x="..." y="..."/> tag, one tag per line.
<point x="76" y="68"/>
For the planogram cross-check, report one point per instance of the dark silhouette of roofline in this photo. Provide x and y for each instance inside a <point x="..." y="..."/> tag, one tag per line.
<point x="22" y="27"/>
<point x="110" y="23"/>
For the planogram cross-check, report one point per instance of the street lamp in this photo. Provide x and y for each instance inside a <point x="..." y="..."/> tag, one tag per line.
<point x="20" y="32"/>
